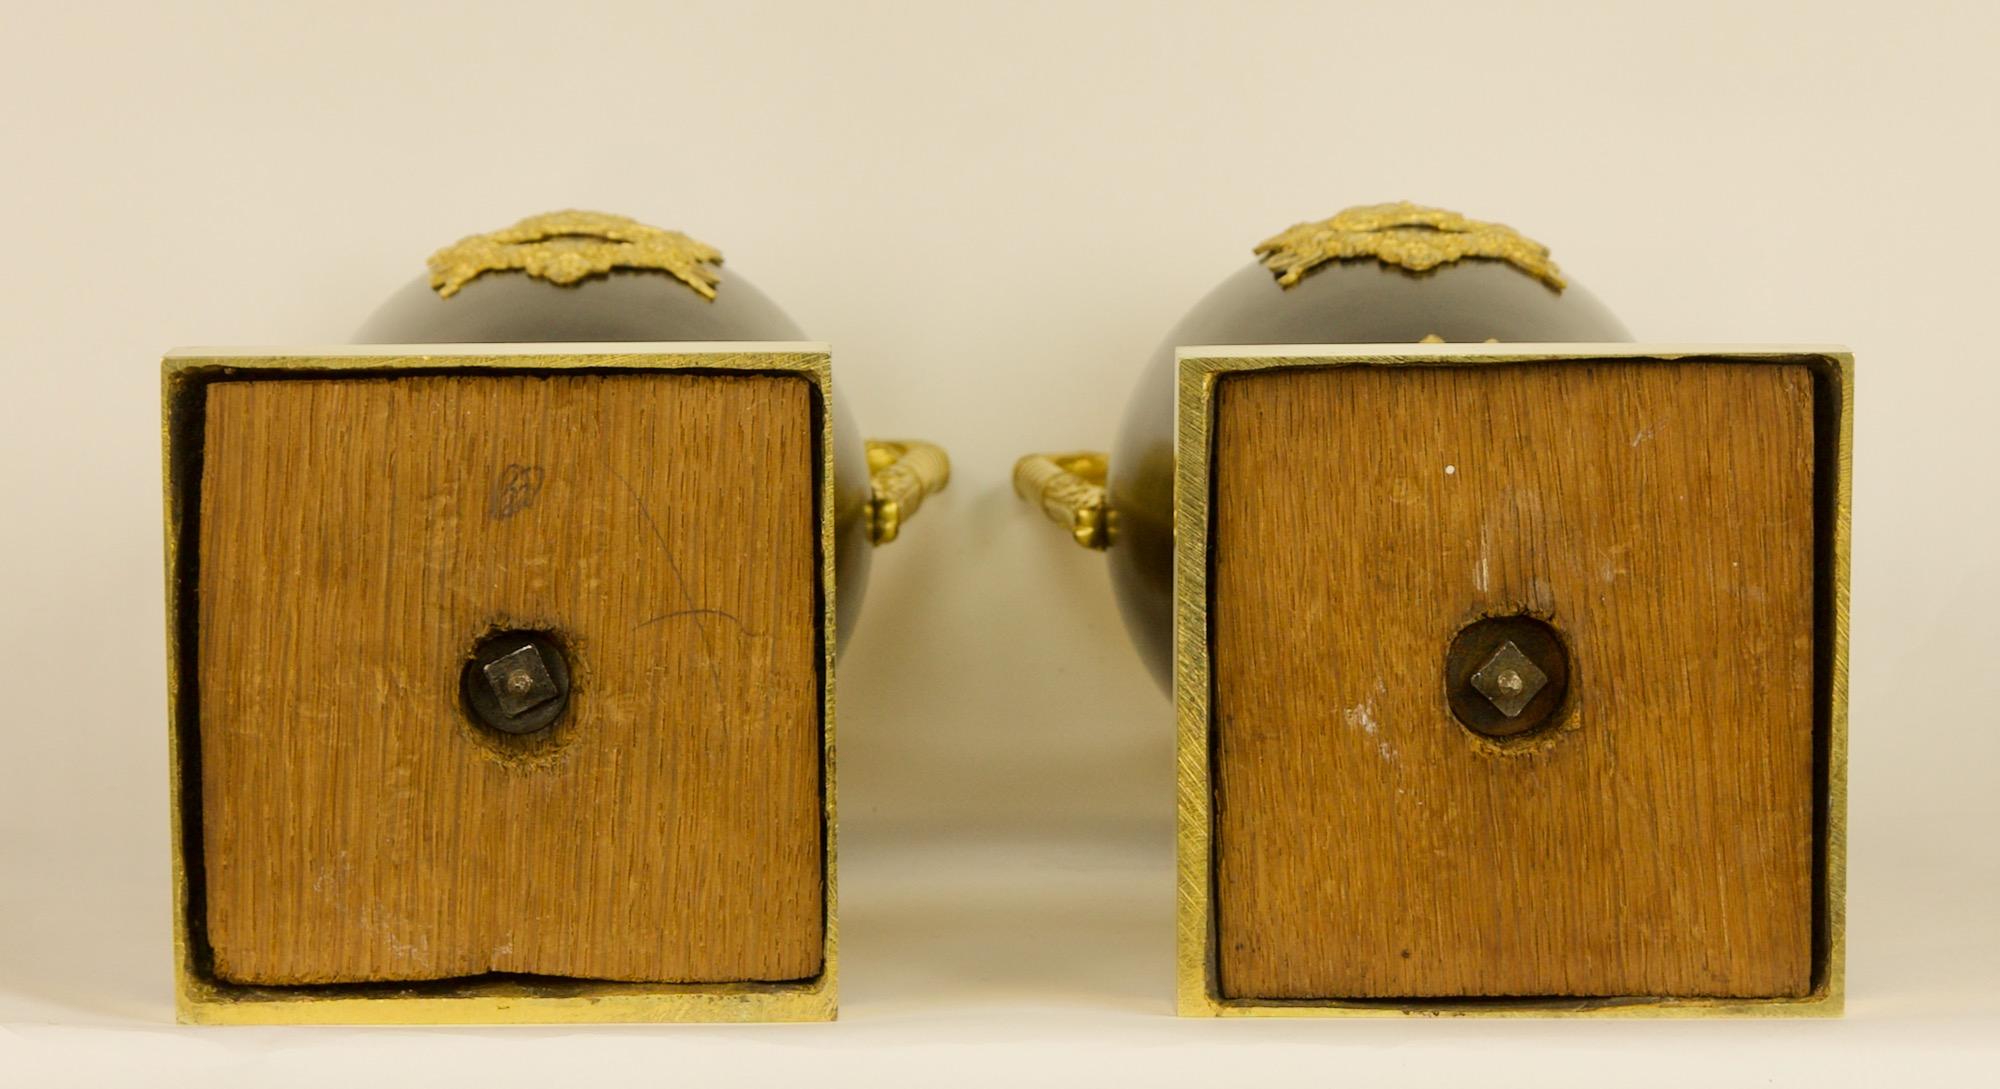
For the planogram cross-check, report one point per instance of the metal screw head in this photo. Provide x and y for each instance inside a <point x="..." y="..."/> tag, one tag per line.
<point x="1509" y="679"/>
<point x="520" y="679"/>
<point x="515" y="682"/>
<point x="1507" y="675"/>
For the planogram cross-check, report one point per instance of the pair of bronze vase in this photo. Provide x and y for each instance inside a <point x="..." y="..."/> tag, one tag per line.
<point x="1508" y="656"/>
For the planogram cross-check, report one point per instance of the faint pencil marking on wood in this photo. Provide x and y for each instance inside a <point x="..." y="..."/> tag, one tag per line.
<point x="515" y="490"/>
<point x="689" y="606"/>
<point x="677" y="613"/>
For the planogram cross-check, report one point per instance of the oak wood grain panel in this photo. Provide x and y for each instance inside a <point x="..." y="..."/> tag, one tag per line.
<point x="1659" y="841"/>
<point x="358" y="535"/>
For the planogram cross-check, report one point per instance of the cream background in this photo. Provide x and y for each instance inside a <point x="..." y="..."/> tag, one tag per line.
<point x="992" y="212"/>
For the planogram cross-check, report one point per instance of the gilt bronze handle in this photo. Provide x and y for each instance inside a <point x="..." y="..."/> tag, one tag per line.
<point x="900" y="474"/>
<point x="1070" y="490"/>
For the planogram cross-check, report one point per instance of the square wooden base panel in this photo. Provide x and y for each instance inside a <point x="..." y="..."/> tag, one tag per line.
<point x="358" y="534"/>
<point x="1660" y="840"/>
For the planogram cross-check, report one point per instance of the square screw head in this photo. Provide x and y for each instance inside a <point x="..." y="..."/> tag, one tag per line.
<point x="1509" y="680"/>
<point x="520" y="680"/>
